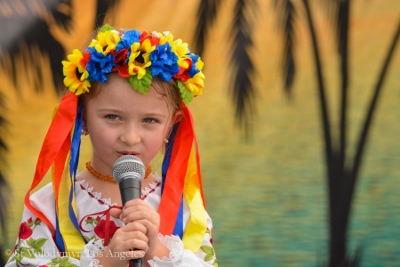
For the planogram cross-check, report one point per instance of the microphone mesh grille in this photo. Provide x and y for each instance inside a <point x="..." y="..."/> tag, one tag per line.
<point x="128" y="164"/>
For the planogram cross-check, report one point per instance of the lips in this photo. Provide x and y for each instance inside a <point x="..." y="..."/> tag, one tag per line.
<point x="123" y="153"/>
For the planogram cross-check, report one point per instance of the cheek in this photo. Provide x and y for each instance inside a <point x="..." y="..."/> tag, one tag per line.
<point x="153" y="146"/>
<point x="100" y="135"/>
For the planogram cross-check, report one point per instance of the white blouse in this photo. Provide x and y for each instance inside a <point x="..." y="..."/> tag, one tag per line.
<point x="35" y="245"/>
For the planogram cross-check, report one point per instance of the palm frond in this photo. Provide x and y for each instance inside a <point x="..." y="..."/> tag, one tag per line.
<point x="102" y="9"/>
<point x="367" y="123"/>
<point x="286" y="11"/>
<point x="206" y="15"/>
<point x="30" y="28"/>
<point x="243" y="90"/>
<point x="330" y="8"/>
<point x="62" y="14"/>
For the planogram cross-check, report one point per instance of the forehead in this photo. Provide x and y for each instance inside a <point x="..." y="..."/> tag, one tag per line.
<point x="117" y="92"/>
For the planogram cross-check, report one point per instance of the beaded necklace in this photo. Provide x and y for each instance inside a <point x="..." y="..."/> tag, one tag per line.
<point x="107" y="178"/>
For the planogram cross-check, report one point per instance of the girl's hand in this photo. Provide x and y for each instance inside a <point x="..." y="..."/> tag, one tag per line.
<point x="125" y="239"/>
<point x="137" y="212"/>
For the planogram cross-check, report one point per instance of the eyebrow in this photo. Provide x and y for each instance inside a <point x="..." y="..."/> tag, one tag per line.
<point x="147" y="114"/>
<point x="155" y="114"/>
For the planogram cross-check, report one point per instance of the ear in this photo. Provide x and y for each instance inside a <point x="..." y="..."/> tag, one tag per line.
<point x="177" y="117"/>
<point x="84" y="125"/>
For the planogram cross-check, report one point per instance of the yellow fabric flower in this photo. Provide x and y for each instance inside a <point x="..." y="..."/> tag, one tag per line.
<point x="196" y="83"/>
<point x="75" y="73"/>
<point x="139" y="59"/>
<point x="199" y="64"/>
<point x="166" y="37"/>
<point x="181" y="50"/>
<point x="106" y="41"/>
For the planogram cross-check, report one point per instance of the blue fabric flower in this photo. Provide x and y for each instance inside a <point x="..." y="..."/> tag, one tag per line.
<point x="164" y="62"/>
<point x="99" y="65"/>
<point x="193" y="70"/>
<point x="128" y="39"/>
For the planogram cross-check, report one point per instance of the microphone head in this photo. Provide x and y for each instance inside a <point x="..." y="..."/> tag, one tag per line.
<point x="128" y="167"/>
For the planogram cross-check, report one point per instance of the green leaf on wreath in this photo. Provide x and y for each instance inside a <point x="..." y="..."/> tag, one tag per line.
<point x="187" y="95"/>
<point x="141" y="85"/>
<point x="106" y="27"/>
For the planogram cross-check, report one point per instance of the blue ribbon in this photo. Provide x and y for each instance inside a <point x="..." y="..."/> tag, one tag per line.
<point x="178" y="229"/>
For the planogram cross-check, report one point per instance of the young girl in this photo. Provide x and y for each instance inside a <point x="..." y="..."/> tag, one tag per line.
<point x="128" y="92"/>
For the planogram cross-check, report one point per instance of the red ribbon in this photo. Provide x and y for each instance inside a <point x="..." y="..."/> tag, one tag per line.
<point x="55" y="148"/>
<point x="175" y="179"/>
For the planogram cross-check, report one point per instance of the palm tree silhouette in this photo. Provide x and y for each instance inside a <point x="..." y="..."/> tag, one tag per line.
<point x="341" y="178"/>
<point x="25" y="24"/>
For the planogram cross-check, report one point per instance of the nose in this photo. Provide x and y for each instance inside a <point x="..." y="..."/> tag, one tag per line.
<point x="130" y="135"/>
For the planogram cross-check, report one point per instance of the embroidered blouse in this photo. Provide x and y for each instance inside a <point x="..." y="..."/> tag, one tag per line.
<point x="35" y="245"/>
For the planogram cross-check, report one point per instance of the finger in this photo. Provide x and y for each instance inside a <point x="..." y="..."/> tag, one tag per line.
<point x="125" y="241"/>
<point x="140" y="243"/>
<point x="115" y="212"/>
<point x="133" y="202"/>
<point x="140" y="214"/>
<point x="139" y="206"/>
<point x="134" y="208"/>
<point x="133" y="227"/>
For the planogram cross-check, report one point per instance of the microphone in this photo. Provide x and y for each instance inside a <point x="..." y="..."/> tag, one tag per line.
<point x="128" y="172"/>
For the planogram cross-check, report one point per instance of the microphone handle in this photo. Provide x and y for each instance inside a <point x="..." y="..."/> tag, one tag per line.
<point x="130" y="188"/>
<point x="136" y="262"/>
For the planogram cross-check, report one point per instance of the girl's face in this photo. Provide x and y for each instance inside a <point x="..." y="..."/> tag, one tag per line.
<point x="122" y="121"/>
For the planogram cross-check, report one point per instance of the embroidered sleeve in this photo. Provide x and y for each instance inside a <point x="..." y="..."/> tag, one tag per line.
<point x="181" y="257"/>
<point x="35" y="246"/>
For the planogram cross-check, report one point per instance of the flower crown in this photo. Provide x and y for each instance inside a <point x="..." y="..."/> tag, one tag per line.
<point x="138" y="57"/>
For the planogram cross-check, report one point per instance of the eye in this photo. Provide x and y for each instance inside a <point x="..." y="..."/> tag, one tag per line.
<point x="149" y="120"/>
<point x="111" y="117"/>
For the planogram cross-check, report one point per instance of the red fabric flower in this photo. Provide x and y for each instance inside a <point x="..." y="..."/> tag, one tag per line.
<point x="153" y="40"/>
<point x="183" y="73"/>
<point x="120" y="62"/>
<point x="100" y="229"/>
<point x="24" y="231"/>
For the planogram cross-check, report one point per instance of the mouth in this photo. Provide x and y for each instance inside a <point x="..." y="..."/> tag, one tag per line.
<point x="124" y="153"/>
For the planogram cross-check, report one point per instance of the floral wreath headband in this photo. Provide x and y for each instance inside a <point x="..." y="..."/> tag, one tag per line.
<point x="138" y="57"/>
